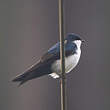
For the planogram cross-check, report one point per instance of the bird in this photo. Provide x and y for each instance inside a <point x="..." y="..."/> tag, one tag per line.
<point x="49" y="63"/>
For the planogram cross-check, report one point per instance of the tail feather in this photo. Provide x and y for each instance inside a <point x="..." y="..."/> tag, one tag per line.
<point x="22" y="78"/>
<point x="35" y="71"/>
<point x="27" y="75"/>
<point x="19" y="78"/>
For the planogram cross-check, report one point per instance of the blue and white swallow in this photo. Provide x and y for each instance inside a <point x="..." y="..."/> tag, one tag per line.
<point x="49" y="63"/>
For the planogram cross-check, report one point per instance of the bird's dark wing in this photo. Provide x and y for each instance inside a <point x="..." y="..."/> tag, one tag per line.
<point x="54" y="52"/>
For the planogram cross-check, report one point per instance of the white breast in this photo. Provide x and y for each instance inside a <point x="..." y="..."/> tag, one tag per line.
<point x="70" y="63"/>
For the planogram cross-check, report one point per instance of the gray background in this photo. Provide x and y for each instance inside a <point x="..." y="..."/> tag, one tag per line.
<point x="28" y="28"/>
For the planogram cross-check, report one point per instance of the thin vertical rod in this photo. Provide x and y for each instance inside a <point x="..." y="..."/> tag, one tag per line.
<point x="62" y="55"/>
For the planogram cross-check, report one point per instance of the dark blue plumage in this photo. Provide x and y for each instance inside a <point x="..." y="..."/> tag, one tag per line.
<point x="43" y="67"/>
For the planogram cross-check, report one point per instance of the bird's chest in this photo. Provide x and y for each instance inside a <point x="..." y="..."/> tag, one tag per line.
<point x="70" y="62"/>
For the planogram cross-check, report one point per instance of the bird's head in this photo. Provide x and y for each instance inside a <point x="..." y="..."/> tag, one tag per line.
<point x="74" y="38"/>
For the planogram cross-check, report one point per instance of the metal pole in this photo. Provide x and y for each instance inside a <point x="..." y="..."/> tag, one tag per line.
<point x="62" y="55"/>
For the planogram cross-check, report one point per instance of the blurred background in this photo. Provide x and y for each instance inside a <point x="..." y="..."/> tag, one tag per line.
<point x="28" y="28"/>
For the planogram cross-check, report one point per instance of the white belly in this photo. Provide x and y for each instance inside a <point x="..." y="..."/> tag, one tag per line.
<point x="70" y="63"/>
